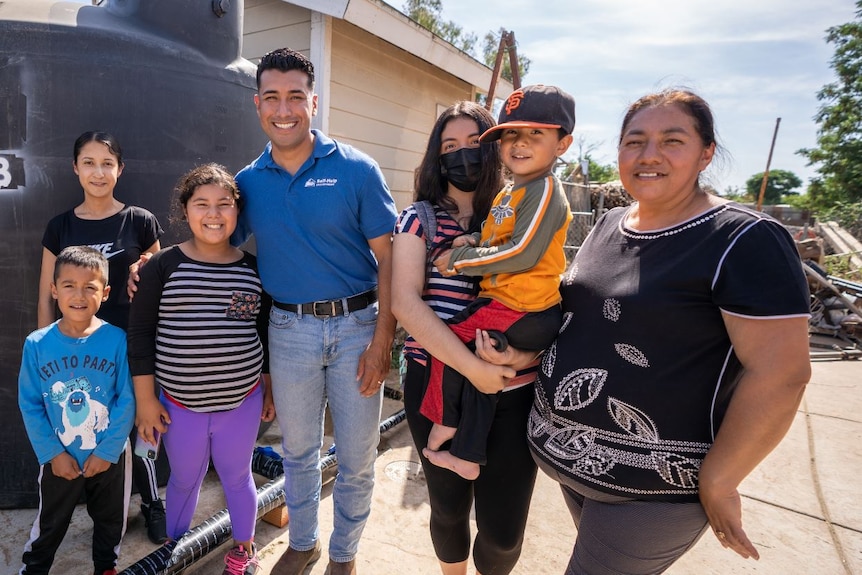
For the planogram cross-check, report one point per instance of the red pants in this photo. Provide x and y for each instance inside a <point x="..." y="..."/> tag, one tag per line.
<point x="451" y="400"/>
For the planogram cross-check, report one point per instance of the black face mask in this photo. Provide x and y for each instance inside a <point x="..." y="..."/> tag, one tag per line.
<point x="462" y="168"/>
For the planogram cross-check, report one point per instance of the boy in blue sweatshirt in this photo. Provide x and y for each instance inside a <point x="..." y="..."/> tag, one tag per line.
<point x="78" y="405"/>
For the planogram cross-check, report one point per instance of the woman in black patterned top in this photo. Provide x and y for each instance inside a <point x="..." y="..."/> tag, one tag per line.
<point x="682" y="358"/>
<point x="197" y="327"/>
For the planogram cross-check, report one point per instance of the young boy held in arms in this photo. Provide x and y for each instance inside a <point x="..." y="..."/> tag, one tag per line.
<point x="519" y="255"/>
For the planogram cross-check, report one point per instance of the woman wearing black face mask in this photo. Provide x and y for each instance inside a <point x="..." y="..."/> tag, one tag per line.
<point x="459" y="180"/>
<point x="462" y="168"/>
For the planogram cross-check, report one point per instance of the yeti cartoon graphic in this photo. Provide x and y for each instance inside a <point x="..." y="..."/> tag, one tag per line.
<point x="82" y="416"/>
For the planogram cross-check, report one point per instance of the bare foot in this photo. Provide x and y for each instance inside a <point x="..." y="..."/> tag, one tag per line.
<point x="464" y="468"/>
<point x="439" y="435"/>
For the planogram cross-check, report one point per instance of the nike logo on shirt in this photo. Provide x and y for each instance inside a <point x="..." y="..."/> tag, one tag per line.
<point x="104" y="248"/>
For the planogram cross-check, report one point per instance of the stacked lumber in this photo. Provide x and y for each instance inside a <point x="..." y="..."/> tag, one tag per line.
<point x="842" y="243"/>
<point x="609" y="195"/>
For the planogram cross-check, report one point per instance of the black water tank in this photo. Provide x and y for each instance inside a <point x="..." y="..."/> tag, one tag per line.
<point x="165" y="77"/>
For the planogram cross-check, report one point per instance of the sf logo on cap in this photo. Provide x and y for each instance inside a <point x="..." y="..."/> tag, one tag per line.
<point x="514" y="100"/>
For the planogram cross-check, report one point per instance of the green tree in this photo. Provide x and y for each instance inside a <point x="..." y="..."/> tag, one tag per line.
<point x="838" y="154"/>
<point x="489" y="52"/>
<point x="427" y="13"/>
<point x="780" y="183"/>
<point x="598" y="173"/>
<point x="602" y="173"/>
<point x="736" y="194"/>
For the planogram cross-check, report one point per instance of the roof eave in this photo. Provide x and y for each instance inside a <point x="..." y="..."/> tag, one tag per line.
<point x="387" y="23"/>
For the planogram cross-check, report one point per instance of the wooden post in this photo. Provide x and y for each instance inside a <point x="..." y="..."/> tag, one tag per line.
<point x="768" y="161"/>
<point x="507" y="42"/>
<point x="498" y="64"/>
<point x="513" y="60"/>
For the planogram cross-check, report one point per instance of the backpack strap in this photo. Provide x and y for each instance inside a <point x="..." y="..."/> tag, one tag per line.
<point x="428" y="219"/>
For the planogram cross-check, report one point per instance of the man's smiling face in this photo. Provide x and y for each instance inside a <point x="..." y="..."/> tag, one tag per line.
<point x="285" y="105"/>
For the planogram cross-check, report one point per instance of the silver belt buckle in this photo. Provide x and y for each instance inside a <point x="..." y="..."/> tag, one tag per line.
<point x="331" y="309"/>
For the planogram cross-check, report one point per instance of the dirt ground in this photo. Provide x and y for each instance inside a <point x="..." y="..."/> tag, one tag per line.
<point x="801" y="507"/>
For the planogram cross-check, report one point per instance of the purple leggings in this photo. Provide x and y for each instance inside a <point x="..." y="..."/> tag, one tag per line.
<point x="227" y="436"/>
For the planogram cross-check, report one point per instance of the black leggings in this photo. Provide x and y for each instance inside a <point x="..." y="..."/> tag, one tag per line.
<point x="502" y="492"/>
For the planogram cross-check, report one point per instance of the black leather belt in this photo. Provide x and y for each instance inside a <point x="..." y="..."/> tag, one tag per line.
<point x="332" y="307"/>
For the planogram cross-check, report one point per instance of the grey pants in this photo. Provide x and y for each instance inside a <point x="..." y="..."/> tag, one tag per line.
<point x="617" y="535"/>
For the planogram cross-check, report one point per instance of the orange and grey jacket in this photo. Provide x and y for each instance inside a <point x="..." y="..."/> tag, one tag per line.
<point x="520" y="255"/>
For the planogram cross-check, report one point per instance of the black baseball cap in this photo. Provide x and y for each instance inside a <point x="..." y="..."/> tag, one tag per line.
<point x="536" y="106"/>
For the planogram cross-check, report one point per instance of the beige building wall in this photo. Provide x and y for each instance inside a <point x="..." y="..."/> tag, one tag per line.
<point x="375" y="96"/>
<point x="270" y="24"/>
<point x="385" y="101"/>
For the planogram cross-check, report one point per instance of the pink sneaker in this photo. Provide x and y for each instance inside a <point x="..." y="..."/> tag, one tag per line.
<point x="239" y="562"/>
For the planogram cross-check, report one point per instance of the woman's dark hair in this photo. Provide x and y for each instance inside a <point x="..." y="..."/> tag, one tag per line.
<point x="691" y="104"/>
<point x="204" y="175"/>
<point x="432" y="186"/>
<point x="104" y="138"/>
<point x="700" y="112"/>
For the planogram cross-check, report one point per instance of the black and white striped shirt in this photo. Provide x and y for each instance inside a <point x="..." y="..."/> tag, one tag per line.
<point x="195" y="325"/>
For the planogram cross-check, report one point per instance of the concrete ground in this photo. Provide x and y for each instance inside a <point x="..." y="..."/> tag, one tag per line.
<point x="802" y="506"/>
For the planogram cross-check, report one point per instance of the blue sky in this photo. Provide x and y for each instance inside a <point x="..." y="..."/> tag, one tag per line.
<point x="753" y="61"/>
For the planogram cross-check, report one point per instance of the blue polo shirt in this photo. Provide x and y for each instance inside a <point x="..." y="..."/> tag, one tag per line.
<point x="312" y="228"/>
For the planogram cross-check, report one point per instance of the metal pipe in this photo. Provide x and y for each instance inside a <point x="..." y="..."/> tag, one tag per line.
<point x="811" y="273"/>
<point x="269" y="464"/>
<point x="392" y="421"/>
<point x="393" y="393"/>
<point x="176" y="556"/>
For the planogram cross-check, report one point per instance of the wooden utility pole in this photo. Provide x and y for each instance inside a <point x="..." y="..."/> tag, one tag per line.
<point x="507" y="43"/>
<point x="768" y="161"/>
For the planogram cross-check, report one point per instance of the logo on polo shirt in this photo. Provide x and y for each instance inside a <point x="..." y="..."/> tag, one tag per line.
<point x="326" y="182"/>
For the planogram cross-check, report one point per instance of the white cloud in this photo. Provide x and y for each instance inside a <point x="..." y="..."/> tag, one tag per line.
<point x="753" y="60"/>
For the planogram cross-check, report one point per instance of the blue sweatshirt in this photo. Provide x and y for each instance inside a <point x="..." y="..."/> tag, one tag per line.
<point x="76" y="394"/>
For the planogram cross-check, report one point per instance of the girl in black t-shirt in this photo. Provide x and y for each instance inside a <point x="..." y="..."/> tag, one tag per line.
<point x="122" y="233"/>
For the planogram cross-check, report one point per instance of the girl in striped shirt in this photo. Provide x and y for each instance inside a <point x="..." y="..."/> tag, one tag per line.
<point x="197" y="327"/>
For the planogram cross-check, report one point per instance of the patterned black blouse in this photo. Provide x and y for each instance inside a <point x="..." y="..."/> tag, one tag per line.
<point x="631" y="395"/>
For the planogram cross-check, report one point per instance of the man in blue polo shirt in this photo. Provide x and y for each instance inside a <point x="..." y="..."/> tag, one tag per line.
<point x="322" y="216"/>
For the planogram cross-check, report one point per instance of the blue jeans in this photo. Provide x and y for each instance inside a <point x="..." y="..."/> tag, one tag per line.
<point x="313" y="361"/>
